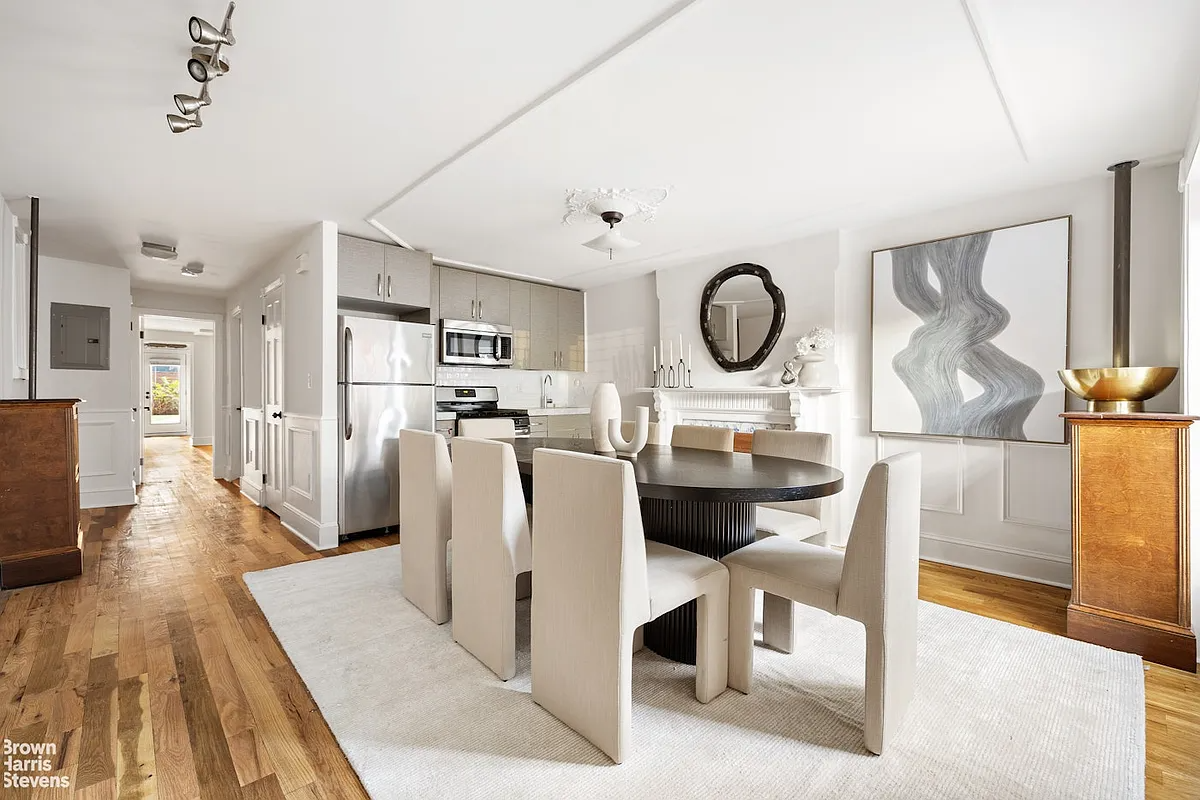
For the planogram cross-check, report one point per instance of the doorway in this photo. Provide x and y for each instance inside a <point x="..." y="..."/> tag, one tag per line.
<point x="168" y="379"/>
<point x="273" y="444"/>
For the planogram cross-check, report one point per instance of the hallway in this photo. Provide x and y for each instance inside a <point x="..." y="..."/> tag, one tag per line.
<point x="155" y="674"/>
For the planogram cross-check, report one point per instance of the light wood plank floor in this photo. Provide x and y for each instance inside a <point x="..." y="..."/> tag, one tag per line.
<point x="157" y="676"/>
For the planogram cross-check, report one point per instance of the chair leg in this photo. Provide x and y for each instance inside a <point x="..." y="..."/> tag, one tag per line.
<point x="507" y="661"/>
<point x="638" y="636"/>
<point x="778" y="627"/>
<point x="741" y="634"/>
<point x="712" y="639"/>
<point x="524" y="585"/>
<point x="891" y="673"/>
<point x="441" y="592"/>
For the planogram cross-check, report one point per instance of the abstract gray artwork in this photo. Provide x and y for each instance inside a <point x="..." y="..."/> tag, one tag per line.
<point x="968" y="333"/>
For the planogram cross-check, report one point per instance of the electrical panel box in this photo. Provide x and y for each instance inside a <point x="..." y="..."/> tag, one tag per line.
<point x="79" y="336"/>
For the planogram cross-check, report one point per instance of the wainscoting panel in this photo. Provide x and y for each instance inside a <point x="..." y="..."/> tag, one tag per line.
<point x="942" y="469"/>
<point x="310" y="479"/>
<point x="106" y="457"/>
<point x="1037" y="485"/>
<point x="252" y="464"/>
<point x="301" y="455"/>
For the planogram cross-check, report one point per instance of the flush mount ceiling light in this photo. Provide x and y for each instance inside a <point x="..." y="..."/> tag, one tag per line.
<point x="159" y="252"/>
<point x="611" y="240"/>
<point x="192" y="270"/>
<point x="206" y="64"/>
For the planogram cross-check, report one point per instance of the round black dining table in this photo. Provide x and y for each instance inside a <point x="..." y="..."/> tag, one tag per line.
<point x="698" y="500"/>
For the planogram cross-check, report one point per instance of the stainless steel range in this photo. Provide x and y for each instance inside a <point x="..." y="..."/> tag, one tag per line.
<point x="467" y="402"/>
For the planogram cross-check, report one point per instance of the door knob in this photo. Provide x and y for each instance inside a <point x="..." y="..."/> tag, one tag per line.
<point x="278" y="415"/>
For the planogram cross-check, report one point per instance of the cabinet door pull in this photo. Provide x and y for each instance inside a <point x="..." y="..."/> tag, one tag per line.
<point x="378" y="284"/>
<point x="389" y="286"/>
<point x="481" y="309"/>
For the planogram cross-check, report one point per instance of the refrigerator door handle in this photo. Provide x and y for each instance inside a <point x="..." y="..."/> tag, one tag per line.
<point x="346" y="410"/>
<point x="348" y="356"/>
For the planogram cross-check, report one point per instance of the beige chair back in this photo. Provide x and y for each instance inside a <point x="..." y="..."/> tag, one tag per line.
<point x="702" y="437"/>
<point x="487" y="428"/>
<point x="425" y="502"/>
<point x="491" y="546"/>
<point x="800" y="445"/>
<point x="590" y="590"/>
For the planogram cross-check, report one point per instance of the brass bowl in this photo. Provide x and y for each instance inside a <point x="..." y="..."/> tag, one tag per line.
<point x="1120" y="390"/>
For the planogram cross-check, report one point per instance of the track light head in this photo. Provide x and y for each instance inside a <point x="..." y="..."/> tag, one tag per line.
<point x="204" y="33"/>
<point x="189" y="104"/>
<point x="201" y="65"/>
<point x="180" y="124"/>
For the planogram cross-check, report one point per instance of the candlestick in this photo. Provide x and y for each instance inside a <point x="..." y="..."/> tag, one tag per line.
<point x="653" y="359"/>
<point x="681" y="345"/>
<point x="689" y="356"/>
<point x="670" y="352"/>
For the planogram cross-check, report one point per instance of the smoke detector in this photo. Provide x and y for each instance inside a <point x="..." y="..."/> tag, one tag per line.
<point x="159" y="252"/>
<point x="193" y="269"/>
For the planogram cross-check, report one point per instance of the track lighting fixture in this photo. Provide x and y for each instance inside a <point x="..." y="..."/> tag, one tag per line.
<point x="180" y="124"/>
<point x="204" y="33"/>
<point x="188" y="104"/>
<point x="205" y="64"/>
<point x="192" y="269"/>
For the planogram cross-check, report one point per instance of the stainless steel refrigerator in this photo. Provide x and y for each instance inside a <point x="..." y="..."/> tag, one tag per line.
<point x="385" y="383"/>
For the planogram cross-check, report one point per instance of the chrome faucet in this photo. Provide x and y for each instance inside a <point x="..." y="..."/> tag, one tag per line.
<point x="546" y="381"/>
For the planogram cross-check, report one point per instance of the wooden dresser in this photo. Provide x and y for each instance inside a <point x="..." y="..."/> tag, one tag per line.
<point x="39" y="492"/>
<point x="1129" y="535"/>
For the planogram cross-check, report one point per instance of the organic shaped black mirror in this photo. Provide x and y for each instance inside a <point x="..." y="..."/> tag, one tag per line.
<point x="741" y="316"/>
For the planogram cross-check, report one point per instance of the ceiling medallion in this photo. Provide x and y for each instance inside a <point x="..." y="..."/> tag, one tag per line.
<point x="586" y="205"/>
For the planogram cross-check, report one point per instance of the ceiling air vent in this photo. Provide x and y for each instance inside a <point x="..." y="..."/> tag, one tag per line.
<point x="159" y="252"/>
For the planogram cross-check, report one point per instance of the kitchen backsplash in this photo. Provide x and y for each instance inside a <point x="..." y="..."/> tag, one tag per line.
<point x="521" y="388"/>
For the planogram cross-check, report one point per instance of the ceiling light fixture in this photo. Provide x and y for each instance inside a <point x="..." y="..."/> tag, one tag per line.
<point x="611" y="240"/>
<point x="192" y="270"/>
<point x="159" y="252"/>
<point x="206" y="64"/>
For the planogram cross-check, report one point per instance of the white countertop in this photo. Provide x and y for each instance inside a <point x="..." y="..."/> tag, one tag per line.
<point x="558" y="410"/>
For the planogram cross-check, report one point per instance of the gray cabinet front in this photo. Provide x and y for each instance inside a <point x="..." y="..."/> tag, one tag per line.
<point x="570" y="331"/>
<point x="407" y="278"/>
<point x="492" y="302"/>
<point x="543" y="327"/>
<point x="361" y="268"/>
<point x="457" y="293"/>
<point x="519" y="311"/>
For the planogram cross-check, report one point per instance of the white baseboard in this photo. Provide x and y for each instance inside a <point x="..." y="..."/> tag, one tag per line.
<point x="202" y="441"/>
<point x="320" y="537"/>
<point x="251" y="492"/>
<point x="108" y="498"/>
<point x="1009" y="562"/>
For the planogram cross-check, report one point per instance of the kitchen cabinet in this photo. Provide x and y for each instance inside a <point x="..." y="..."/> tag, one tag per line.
<point x="570" y="331"/>
<point x="474" y="296"/>
<point x="519" y="309"/>
<point x="383" y="273"/>
<point x="569" y="426"/>
<point x="543" y="327"/>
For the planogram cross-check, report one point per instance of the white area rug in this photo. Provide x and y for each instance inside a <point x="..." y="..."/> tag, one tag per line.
<point x="1000" y="711"/>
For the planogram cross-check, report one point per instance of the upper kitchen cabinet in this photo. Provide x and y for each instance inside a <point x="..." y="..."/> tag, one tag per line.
<point x="519" y="311"/>
<point x="570" y="331"/>
<point x="556" y="329"/>
<point x="382" y="273"/>
<point x="407" y="276"/>
<point x="474" y="296"/>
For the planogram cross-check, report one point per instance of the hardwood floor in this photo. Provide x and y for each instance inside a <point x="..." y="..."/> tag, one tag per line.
<point x="155" y="674"/>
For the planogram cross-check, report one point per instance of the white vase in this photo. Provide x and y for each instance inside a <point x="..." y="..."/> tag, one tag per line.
<point x="641" y="432"/>
<point x="812" y="370"/>
<point x="606" y="405"/>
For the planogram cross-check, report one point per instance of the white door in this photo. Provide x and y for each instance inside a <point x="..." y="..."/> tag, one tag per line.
<point x="273" y="399"/>
<point x="235" y="453"/>
<point x="141" y="401"/>
<point x="167" y="391"/>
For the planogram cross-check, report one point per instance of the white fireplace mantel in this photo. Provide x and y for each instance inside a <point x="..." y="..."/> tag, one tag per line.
<point x="745" y="408"/>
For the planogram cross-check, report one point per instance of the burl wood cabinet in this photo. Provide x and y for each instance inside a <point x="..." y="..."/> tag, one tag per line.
<point x="39" y="492"/>
<point x="1129" y="535"/>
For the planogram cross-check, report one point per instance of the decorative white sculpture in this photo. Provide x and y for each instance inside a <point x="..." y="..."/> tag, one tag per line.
<point x="812" y="373"/>
<point x="641" y="432"/>
<point x="606" y="404"/>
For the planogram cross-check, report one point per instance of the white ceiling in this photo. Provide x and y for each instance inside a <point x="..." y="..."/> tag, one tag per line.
<point x="459" y="126"/>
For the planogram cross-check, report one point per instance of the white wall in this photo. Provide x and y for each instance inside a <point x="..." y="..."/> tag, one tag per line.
<point x="178" y="301"/>
<point x="14" y="308"/>
<point x="803" y="269"/>
<point x="106" y="433"/>
<point x="1005" y="507"/>
<point x="202" y="391"/>
<point x="310" y="377"/>
<point x="622" y="327"/>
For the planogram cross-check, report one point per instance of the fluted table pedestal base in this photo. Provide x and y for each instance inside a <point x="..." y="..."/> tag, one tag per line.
<point x="710" y="529"/>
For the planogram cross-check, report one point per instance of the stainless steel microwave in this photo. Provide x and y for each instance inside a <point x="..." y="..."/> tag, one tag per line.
<point x="476" y="344"/>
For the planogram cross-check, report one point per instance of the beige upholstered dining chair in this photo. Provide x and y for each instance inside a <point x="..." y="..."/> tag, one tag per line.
<point x="874" y="582"/>
<point x="702" y="437"/>
<point x="487" y="428"/>
<point x="797" y="519"/>
<point x="595" y="581"/>
<point x="491" y="548"/>
<point x="425" y="492"/>
<point x="653" y="432"/>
